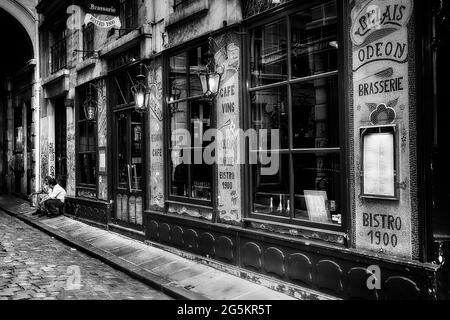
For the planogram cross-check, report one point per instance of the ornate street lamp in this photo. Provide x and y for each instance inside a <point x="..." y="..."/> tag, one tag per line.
<point x="140" y="91"/>
<point x="210" y="76"/>
<point x="90" y="105"/>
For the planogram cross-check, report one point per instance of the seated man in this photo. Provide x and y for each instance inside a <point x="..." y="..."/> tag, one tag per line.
<point x="55" y="200"/>
<point x="42" y="195"/>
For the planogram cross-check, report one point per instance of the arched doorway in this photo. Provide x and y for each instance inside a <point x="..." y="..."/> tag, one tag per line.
<point x="18" y="101"/>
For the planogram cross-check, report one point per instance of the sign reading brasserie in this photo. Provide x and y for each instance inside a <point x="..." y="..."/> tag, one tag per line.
<point x="381" y="55"/>
<point x="102" y="13"/>
<point x="108" y="7"/>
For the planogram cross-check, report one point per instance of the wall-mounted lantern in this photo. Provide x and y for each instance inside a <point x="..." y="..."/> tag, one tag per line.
<point x="211" y="75"/>
<point x="140" y="91"/>
<point x="90" y="104"/>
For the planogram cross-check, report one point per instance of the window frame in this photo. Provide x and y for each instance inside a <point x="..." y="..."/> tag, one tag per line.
<point x="179" y="5"/>
<point x="78" y="109"/>
<point x="133" y="14"/>
<point x="58" y="50"/>
<point x="88" y="40"/>
<point x="170" y="198"/>
<point x="280" y="13"/>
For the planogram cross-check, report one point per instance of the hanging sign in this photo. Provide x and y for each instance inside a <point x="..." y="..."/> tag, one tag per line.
<point x="106" y="7"/>
<point x="102" y="13"/>
<point x="111" y="23"/>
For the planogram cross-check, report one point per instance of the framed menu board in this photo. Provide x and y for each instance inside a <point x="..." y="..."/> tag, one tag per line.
<point x="379" y="162"/>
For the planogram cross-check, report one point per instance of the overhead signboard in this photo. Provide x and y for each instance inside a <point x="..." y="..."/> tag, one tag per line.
<point x="106" y="7"/>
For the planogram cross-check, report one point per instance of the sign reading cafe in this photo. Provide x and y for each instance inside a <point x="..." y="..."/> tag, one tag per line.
<point x="381" y="82"/>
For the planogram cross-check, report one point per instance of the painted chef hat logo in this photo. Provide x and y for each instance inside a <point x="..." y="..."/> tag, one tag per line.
<point x="382" y="113"/>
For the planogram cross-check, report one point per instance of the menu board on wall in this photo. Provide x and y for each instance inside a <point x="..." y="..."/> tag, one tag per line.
<point x="379" y="165"/>
<point x="380" y="35"/>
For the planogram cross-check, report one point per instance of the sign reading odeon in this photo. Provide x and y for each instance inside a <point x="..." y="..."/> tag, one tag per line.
<point x="372" y="23"/>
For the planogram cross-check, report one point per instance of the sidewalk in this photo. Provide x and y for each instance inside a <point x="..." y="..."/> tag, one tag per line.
<point x="170" y="273"/>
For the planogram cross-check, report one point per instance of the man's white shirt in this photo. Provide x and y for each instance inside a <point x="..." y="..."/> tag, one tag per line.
<point x="58" y="192"/>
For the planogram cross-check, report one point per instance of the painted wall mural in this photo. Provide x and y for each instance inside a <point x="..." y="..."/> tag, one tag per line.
<point x="102" y="127"/>
<point x="44" y="149"/>
<point x="102" y="118"/>
<point x="379" y="34"/>
<point x="228" y="123"/>
<point x="70" y="185"/>
<point x="156" y="177"/>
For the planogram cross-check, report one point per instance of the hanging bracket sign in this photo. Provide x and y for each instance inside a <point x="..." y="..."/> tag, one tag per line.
<point x="103" y="13"/>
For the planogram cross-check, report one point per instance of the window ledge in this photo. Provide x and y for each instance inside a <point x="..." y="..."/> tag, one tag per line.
<point x="85" y="64"/>
<point x="56" y="84"/>
<point x="189" y="209"/>
<point x="126" y="41"/>
<point x="338" y="238"/>
<point x="196" y="8"/>
<point x="56" y="76"/>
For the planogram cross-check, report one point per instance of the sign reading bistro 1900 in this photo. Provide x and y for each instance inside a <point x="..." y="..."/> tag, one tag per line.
<point x="381" y="58"/>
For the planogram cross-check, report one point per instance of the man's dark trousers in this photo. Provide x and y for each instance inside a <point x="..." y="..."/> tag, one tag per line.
<point x="53" y="206"/>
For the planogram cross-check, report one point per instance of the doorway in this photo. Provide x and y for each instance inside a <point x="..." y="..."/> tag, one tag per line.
<point x="129" y="168"/>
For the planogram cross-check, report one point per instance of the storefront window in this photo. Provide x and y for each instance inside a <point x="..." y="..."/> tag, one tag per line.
<point x="269" y="53"/>
<point x="313" y="41"/>
<point x="122" y="81"/>
<point x="302" y="103"/>
<point x="87" y="148"/>
<point x="190" y="116"/>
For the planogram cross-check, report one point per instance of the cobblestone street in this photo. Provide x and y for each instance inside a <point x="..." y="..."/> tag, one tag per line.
<point x="34" y="265"/>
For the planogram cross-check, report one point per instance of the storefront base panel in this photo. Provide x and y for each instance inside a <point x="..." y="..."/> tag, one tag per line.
<point x="93" y="212"/>
<point x="331" y="270"/>
<point x="127" y="232"/>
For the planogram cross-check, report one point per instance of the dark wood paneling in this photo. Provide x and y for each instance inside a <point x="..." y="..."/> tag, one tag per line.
<point x="330" y="270"/>
<point x="87" y="209"/>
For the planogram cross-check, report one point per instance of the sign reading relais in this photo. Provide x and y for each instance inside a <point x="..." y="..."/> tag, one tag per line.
<point x="381" y="55"/>
<point x="228" y="148"/>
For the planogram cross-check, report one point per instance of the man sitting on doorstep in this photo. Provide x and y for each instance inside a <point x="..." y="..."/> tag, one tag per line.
<point x="54" y="201"/>
<point x="42" y="195"/>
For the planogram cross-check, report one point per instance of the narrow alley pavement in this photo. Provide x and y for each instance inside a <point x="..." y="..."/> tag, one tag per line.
<point x="34" y="265"/>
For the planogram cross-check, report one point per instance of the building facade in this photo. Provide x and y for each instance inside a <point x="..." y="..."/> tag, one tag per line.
<point x="359" y="179"/>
